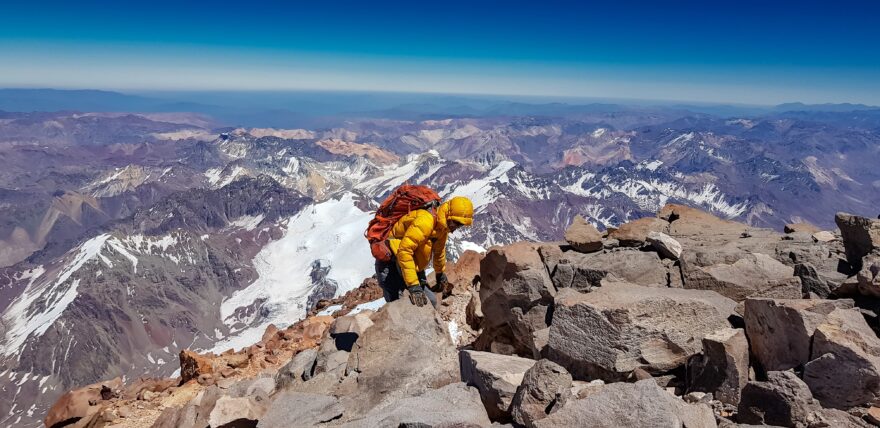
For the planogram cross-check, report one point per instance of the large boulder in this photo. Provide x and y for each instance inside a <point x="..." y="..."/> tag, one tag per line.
<point x="781" y="330"/>
<point x="302" y="408"/>
<point x="546" y="388"/>
<point x="624" y="264"/>
<point x="640" y="404"/>
<point x="583" y="236"/>
<point x="80" y="403"/>
<point x="845" y="370"/>
<point x="299" y="369"/>
<point x="455" y="405"/>
<point x="405" y="352"/>
<point x="749" y="275"/>
<point x="635" y="233"/>
<point x="621" y="327"/>
<point x="688" y="222"/>
<point x="723" y="367"/>
<point x="514" y="284"/>
<point x="782" y="400"/>
<point x="496" y="377"/>
<point x="861" y="236"/>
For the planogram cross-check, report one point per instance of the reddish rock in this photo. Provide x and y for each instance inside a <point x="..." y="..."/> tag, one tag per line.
<point x="583" y="236"/>
<point x="270" y="332"/>
<point x="687" y="221"/>
<point x="148" y="384"/>
<point x="314" y="327"/>
<point x="236" y="361"/>
<point x="206" y="379"/>
<point x="463" y="274"/>
<point x="635" y="233"/>
<point x="79" y="403"/>
<point x="192" y="365"/>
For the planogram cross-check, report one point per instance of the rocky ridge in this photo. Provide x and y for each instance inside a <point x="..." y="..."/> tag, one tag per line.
<point x="696" y="322"/>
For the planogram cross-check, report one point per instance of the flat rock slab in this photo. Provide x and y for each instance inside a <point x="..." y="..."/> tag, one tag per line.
<point x="451" y="406"/>
<point x="640" y="404"/>
<point x="750" y="275"/>
<point x="620" y="327"/>
<point x="300" y="408"/>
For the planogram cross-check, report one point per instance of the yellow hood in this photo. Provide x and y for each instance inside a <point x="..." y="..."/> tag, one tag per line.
<point x="458" y="209"/>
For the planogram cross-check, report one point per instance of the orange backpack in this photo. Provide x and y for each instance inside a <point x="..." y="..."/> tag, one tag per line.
<point x="400" y="202"/>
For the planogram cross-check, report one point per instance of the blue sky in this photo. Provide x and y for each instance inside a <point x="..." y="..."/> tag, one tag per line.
<point x="737" y="52"/>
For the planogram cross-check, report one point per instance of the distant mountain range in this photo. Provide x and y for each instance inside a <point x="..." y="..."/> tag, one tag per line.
<point x="125" y="237"/>
<point x="317" y="108"/>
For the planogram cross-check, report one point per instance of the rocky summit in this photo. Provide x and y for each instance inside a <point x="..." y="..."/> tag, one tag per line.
<point x="680" y="320"/>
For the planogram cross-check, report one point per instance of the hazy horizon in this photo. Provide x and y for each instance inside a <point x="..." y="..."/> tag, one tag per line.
<point x="754" y="54"/>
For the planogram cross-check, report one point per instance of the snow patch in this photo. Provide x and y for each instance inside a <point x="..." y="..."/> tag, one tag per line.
<point x="248" y="222"/>
<point x="329" y="310"/>
<point x="468" y="245"/>
<point x="374" y="305"/>
<point x="330" y="231"/>
<point x="42" y="302"/>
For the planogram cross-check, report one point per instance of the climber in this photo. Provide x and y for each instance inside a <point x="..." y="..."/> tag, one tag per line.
<point x="416" y="239"/>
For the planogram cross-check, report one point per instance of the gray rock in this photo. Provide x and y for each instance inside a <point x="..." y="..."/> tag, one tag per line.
<point x="810" y="280"/>
<point x="546" y="388"/>
<point x="869" y="276"/>
<point x="723" y="367"/>
<point x="583" y="236"/>
<point x="300" y="368"/>
<point x="780" y="331"/>
<point x="513" y="277"/>
<point x="666" y="245"/>
<point x="496" y="377"/>
<point x="861" y="236"/>
<point x="625" y="264"/>
<point x="455" y="405"/>
<point x="845" y="371"/>
<point x="750" y="275"/>
<point x="346" y="329"/>
<point x="620" y="327"/>
<point x="406" y="351"/>
<point x="580" y="278"/>
<point x="835" y="418"/>
<point x="194" y="414"/>
<point x="640" y="404"/>
<point x="303" y="409"/>
<point x="782" y="400"/>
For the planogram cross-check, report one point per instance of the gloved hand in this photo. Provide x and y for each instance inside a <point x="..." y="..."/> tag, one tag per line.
<point x="442" y="280"/>
<point x="417" y="295"/>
